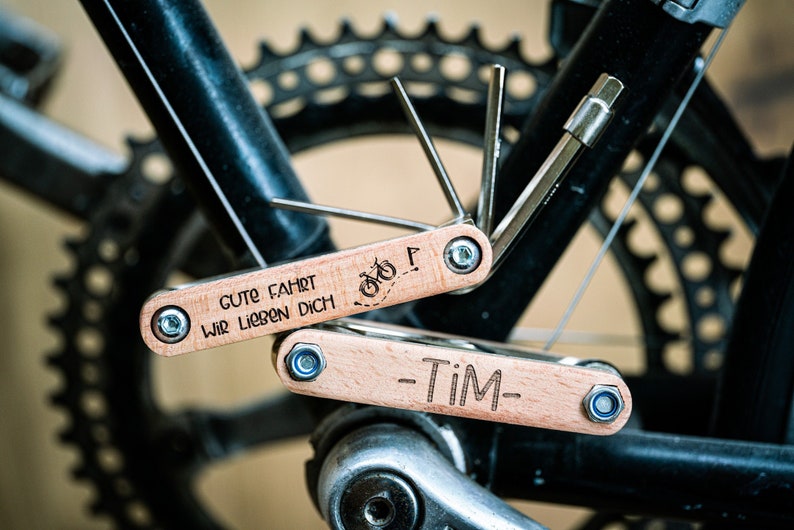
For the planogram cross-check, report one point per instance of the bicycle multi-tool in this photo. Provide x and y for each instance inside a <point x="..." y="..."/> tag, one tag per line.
<point x="386" y="367"/>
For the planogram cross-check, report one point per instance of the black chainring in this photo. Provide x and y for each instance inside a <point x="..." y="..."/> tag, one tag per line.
<point x="144" y="461"/>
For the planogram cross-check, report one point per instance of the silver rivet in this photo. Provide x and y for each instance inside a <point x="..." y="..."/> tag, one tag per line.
<point x="170" y="324"/>
<point x="305" y="362"/>
<point x="603" y="403"/>
<point x="379" y="499"/>
<point x="462" y="255"/>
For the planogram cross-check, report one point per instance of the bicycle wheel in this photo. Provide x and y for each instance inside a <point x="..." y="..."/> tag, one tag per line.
<point x="144" y="458"/>
<point x="756" y="401"/>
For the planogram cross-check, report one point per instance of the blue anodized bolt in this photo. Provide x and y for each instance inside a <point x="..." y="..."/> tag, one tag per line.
<point x="305" y="362"/>
<point x="603" y="403"/>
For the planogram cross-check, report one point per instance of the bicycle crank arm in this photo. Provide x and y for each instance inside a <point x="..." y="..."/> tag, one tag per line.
<point x="454" y="381"/>
<point x="248" y="305"/>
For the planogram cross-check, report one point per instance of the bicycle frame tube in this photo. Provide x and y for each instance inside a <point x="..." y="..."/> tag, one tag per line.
<point x="224" y="146"/>
<point x="747" y="484"/>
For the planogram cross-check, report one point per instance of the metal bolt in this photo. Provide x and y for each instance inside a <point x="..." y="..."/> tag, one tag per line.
<point x="379" y="500"/>
<point x="170" y="324"/>
<point x="603" y="403"/>
<point x="462" y="255"/>
<point x="379" y="511"/>
<point x="305" y="362"/>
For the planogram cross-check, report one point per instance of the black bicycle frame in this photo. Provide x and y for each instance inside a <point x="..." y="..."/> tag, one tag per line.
<point x="228" y="152"/>
<point x="224" y="145"/>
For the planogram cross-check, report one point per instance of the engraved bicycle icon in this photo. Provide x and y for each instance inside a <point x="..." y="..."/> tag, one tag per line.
<point x="380" y="271"/>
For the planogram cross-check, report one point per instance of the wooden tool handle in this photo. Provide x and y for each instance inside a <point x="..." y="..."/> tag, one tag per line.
<point x="314" y="290"/>
<point x="452" y="381"/>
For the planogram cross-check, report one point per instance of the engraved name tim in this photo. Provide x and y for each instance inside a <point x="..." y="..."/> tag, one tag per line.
<point x="460" y="384"/>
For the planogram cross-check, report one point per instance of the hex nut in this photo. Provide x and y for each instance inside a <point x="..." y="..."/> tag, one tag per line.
<point x="603" y="404"/>
<point x="305" y="362"/>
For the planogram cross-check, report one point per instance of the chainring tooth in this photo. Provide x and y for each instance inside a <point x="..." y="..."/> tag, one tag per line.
<point x="428" y="42"/>
<point x="86" y="392"/>
<point x="706" y="243"/>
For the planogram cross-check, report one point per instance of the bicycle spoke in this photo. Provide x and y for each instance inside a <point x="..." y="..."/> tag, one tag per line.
<point x="542" y="335"/>
<point x="702" y="67"/>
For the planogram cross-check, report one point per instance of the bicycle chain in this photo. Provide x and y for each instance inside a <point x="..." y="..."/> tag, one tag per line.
<point x="139" y="460"/>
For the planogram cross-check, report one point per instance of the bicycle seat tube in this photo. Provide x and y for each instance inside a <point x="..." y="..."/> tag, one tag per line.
<point x="223" y="145"/>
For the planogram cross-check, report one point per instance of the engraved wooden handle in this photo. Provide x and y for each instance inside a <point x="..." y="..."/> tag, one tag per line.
<point x="452" y="381"/>
<point x="311" y="291"/>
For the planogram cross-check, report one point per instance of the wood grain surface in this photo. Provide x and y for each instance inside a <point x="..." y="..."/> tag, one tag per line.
<point x="452" y="381"/>
<point x="314" y="290"/>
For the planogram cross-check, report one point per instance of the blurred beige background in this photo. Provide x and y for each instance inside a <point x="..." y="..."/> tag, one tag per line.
<point x="755" y="72"/>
